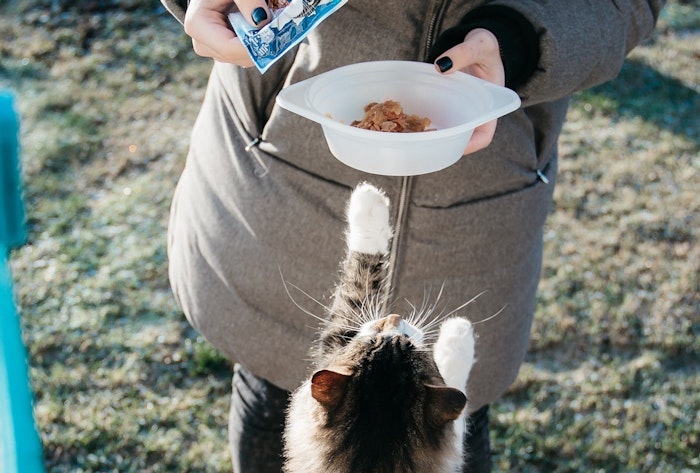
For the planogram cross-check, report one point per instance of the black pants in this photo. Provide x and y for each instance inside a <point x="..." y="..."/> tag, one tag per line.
<point x="257" y="418"/>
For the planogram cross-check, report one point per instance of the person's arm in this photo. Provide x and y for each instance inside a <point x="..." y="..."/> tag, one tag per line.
<point x="544" y="52"/>
<point x="552" y="50"/>
<point x="583" y="43"/>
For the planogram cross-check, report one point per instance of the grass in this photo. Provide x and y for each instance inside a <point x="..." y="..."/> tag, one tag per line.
<point x="108" y="93"/>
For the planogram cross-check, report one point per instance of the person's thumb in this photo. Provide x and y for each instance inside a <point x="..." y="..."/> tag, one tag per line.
<point x="255" y="11"/>
<point x="478" y="54"/>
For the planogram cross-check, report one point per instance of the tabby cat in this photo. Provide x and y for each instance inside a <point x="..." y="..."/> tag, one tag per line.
<point x="380" y="400"/>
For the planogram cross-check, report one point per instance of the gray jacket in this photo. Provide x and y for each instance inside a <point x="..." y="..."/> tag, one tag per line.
<point x="244" y="221"/>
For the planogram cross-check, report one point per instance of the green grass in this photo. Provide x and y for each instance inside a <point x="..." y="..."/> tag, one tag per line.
<point x="122" y="383"/>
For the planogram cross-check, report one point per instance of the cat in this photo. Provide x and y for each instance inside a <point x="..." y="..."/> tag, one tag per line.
<point x="380" y="399"/>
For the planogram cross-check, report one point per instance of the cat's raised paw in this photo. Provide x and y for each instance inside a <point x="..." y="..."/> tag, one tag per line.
<point x="454" y="351"/>
<point x="369" y="230"/>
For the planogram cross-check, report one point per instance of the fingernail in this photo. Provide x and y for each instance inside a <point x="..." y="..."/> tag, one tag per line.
<point x="444" y="64"/>
<point x="259" y="15"/>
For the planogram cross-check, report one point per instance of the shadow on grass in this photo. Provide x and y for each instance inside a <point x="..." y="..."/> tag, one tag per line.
<point x="642" y="91"/>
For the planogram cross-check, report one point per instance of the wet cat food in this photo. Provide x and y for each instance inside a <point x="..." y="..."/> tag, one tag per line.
<point x="389" y="116"/>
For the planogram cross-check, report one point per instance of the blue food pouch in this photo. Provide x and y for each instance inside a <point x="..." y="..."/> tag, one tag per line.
<point x="290" y="24"/>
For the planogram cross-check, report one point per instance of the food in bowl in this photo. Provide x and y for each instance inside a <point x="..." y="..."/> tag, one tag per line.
<point x="388" y="116"/>
<point x="456" y="104"/>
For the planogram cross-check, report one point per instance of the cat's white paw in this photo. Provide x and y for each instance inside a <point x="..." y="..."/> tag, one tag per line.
<point x="454" y="351"/>
<point x="369" y="230"/>
<point x="454" y="357"/>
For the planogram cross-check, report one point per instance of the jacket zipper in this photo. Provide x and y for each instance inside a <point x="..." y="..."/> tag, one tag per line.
<point x="402" y="212"/>
<point x="407" y="181"/>
<point x="438" y="13"/>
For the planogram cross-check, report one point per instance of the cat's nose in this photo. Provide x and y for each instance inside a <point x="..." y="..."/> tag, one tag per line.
<point x="393" y="322"/>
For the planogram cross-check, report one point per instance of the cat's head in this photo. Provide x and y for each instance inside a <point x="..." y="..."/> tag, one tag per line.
<point x="381" y="394"/>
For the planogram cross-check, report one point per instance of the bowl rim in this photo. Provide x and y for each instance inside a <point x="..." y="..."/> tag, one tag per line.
<point x="295" y="98"/>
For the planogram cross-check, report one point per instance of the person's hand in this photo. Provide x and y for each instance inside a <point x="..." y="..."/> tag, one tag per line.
<point x="480" y="56"/>
<point x="206" y="22"/>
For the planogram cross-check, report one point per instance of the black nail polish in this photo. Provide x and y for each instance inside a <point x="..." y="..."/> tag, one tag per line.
<point x="444" y="64"/>
<point x="259" y="15"/>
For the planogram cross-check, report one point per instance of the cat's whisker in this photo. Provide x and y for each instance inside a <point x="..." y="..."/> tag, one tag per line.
<point x="418" y="317"/>
<point x="435" y="320"/>
<point x="491" y="317"/>
<point x="354" y="316"/>
<point x="431" y="335"/>
<point x="428" y="322"/>
<point x="286" y="286"/>
<point x="305" y="310"/>
<point x="443" y="316"/>
<point x="361" y="316"/>
<point x="352" y="323"/>
<point x="371" y="308"/>
<point x="428" y="311"/>
<point x="340" y="323"/>
<point x="465" y="304"/>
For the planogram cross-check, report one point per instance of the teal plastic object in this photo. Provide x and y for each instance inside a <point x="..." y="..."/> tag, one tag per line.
<point x="20" y="446"/>
<point x="12" y="228"/>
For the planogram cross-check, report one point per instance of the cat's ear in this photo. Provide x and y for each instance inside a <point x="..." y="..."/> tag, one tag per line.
<point x="443" y="404"/>
<point x="328" y="386"/>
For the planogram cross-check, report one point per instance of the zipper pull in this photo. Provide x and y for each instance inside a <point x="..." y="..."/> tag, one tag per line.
<point x="542" y="177"/>
<point x="252" y="144"/>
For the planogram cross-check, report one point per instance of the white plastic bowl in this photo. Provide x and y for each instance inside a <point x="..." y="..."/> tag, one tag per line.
<point x="455" y="103"/>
